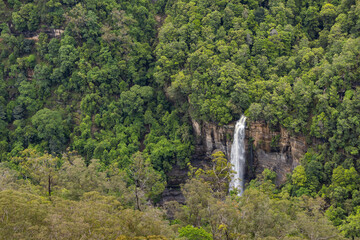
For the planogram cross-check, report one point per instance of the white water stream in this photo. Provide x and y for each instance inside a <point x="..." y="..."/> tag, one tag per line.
<point x="238" y="156"/>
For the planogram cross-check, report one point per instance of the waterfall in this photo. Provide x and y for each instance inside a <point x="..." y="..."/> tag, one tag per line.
<point x="238" y="156"/>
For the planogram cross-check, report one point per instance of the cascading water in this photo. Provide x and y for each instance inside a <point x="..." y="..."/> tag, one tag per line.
<point x="238" y="156"/>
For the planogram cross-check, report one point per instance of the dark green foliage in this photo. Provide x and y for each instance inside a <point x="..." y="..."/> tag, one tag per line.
<point x="27" y="18"/>
<point x="50" y="128"/>
<point x="123" y="77"/>
<point x="98" y="74"/>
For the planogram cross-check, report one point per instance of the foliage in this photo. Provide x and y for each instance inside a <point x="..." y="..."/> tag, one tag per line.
<point x="147" y="182"/>
<point x="88" y="202"/>
<point x="120" y="83"/>
<point x="191" y="232"/>
<point x="218" y="174"/>
<point x="259" y="213"/>
<point x="94" y="217"/>
<point x="50" y="127"/>
<point x="90" y="88"/>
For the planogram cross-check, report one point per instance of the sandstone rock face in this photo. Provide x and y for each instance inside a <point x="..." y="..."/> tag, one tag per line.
<point x="275" y="150"/>
<point x="176" y="177"/>
<point x="210" y="137"/>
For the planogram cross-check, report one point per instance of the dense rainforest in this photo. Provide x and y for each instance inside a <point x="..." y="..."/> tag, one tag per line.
<point x="97" y="99"/>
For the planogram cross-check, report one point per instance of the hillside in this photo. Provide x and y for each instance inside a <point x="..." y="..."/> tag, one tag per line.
<point x="100" y="103"/>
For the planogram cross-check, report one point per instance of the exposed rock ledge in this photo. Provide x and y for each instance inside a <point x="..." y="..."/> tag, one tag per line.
<point x="282" y="156"/>
<point x="210" y="137"/>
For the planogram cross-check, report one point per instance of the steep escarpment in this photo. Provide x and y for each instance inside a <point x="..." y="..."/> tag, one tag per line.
<point x="276" y="150"/>
<point x="210" y="137"/>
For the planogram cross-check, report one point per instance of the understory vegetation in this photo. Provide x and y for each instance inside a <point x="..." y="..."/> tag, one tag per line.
<point x="97" y="100"/>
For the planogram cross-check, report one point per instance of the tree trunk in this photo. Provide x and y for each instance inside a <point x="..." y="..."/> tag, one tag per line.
<point x="49" y="185"/>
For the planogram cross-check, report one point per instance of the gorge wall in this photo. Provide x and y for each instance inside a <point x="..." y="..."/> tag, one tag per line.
<point x="275" y="150"/>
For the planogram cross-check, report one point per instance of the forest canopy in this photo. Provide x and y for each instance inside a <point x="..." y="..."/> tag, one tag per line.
<point x="97" y="100"/>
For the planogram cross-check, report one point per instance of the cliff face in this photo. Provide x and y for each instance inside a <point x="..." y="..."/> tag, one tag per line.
<point x="275" y="150"/>
<point x="210" y="137"/>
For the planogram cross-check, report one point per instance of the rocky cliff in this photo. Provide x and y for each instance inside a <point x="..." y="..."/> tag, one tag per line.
<point x="275" y="150"/>
<point x="210" y="137"/>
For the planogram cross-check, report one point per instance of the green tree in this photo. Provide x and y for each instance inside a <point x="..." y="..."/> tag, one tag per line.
<point x="218" y="175"/>
<point x="26" y="18"/>
<point x="351" y="227"/>
<point x="193" y="233"/>
<point x="147" y="183"/>
<point x="50" y="128"/>
<point x="40" y="169"/>
<point x="24" y="215"/>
